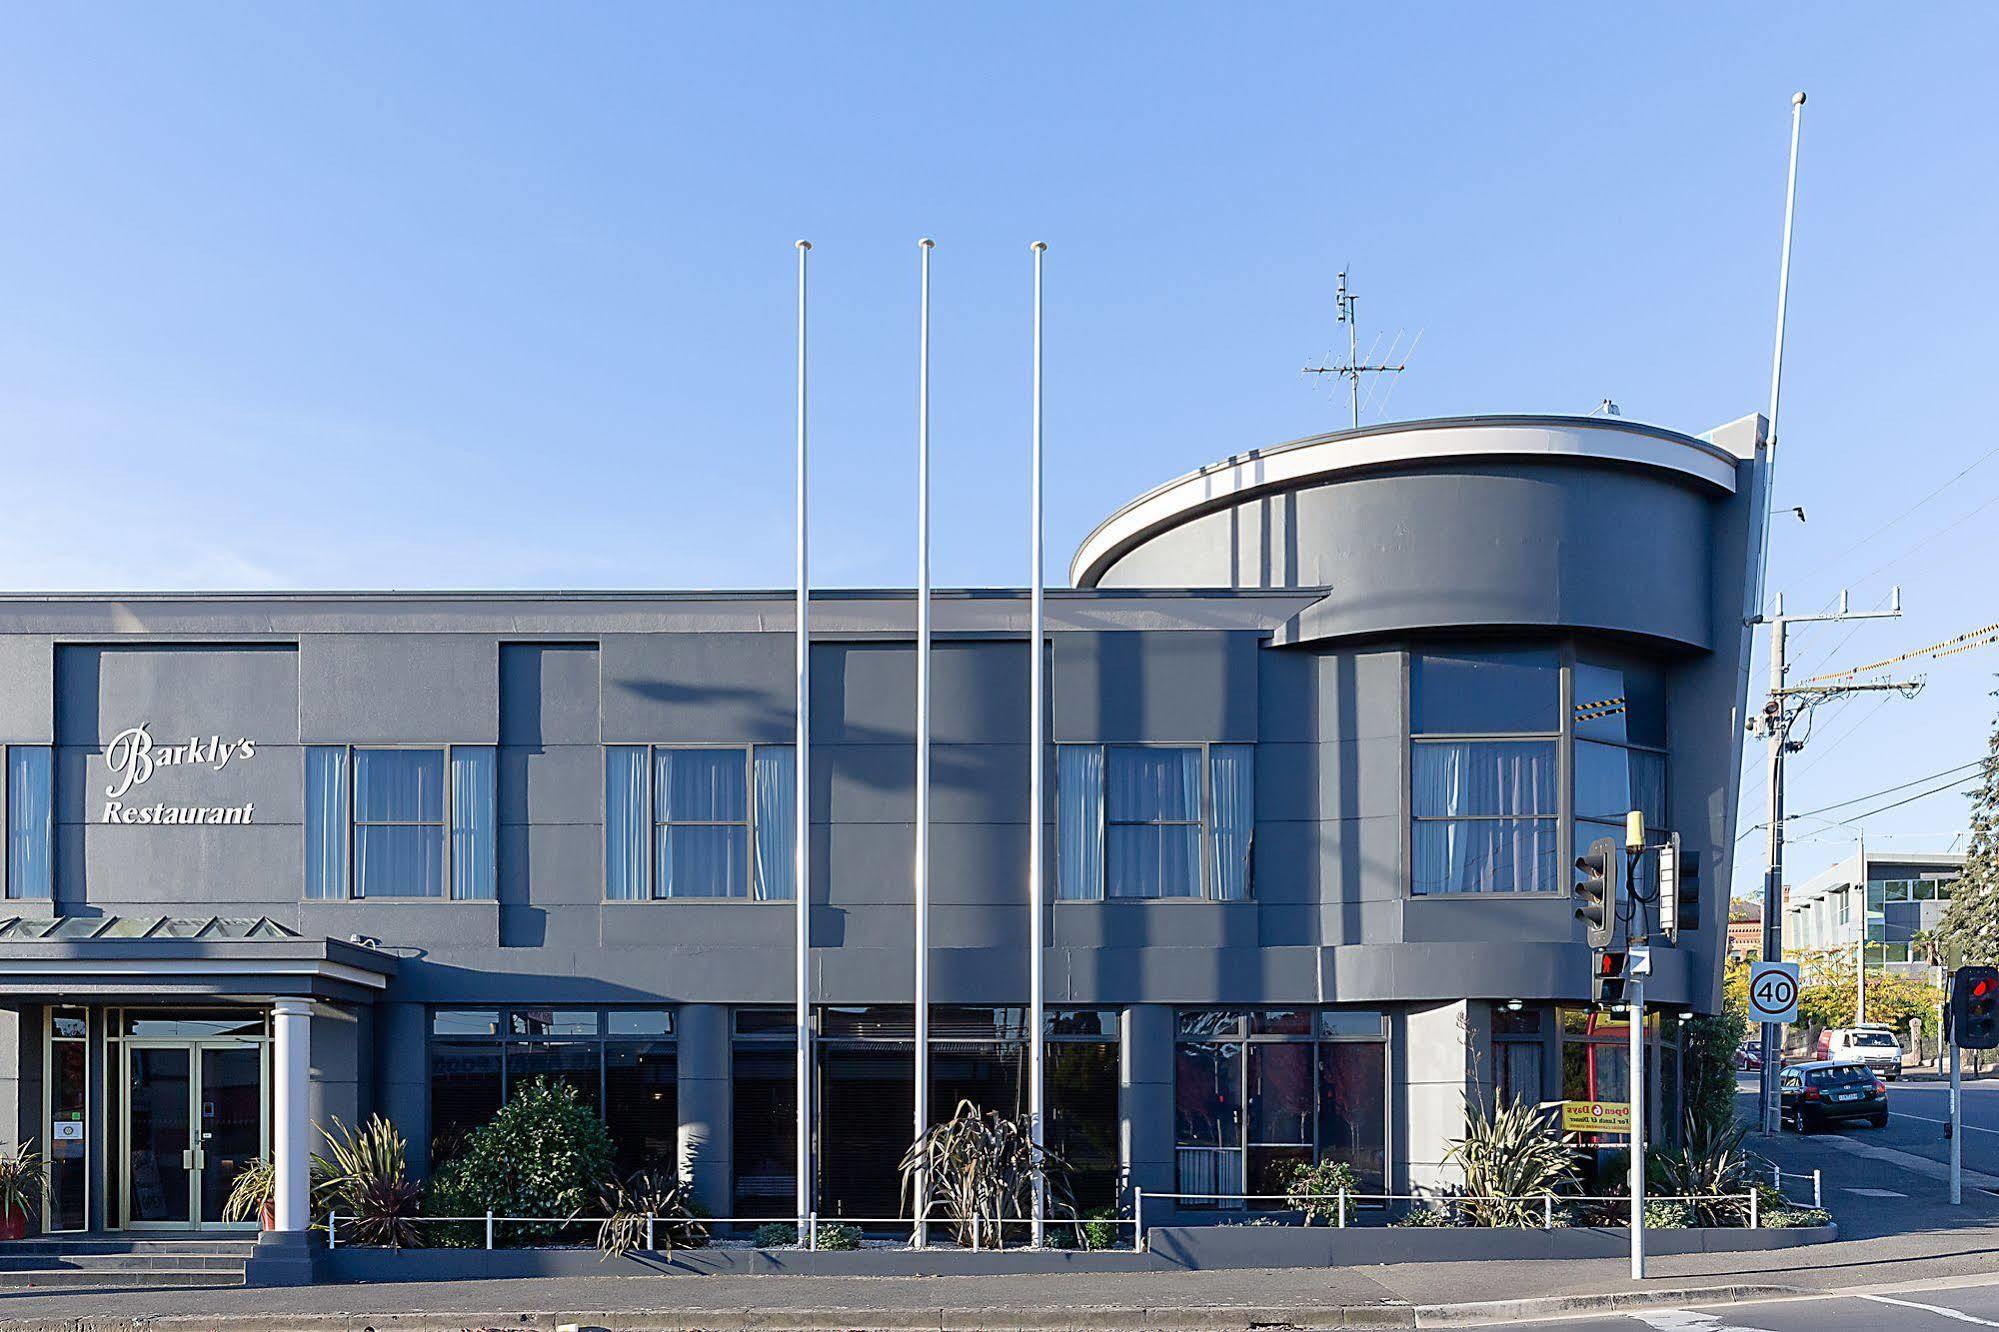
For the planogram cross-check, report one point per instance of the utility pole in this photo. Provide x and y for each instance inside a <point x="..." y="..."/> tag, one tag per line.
<point x="1780" y="713"/>
<point x="1351" y="369"/>
<point x="1860" y="967"/>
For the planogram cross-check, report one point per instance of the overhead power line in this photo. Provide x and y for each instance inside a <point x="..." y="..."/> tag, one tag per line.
<point x="1955" y="785"/>
<point x="1890" y="790"/>
<point x="1983" y="636"/>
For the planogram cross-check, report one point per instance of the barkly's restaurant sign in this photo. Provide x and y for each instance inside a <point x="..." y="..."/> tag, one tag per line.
<point x="134" y="759"/>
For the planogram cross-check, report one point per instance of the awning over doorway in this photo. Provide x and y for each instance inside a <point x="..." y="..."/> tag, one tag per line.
<point x="79" y="959"/>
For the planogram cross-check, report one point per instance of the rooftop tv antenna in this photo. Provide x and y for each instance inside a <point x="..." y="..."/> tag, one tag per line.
<point x="1353" y="367"/>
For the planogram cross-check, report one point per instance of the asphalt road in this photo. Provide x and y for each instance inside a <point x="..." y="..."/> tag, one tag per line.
<point x="1901" y="1309"/>
<point x="1917" y="1113"/>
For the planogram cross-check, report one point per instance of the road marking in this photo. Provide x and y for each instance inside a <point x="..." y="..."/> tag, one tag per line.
<point x="1876" y="1193"/>
<point x="1969" y="1128"/>
<point x="1919" y="1165"/>
<point x="1958" y="1314"/>
<point x="1685" y="1320"/>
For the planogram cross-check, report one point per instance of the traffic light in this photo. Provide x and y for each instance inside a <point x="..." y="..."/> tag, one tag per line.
<point x="1974" y="1007"/>
<point x="1597" y="891"/>
<point x="1607" y="979"/>
<point x="1679" y="888"/>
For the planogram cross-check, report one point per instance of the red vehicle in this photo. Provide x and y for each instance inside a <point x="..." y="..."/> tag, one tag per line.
<point x="1749" y="1057"/>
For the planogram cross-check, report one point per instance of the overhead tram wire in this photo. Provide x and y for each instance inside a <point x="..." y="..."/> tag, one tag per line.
<point x="1955" y="785"/>
<point x="1834" y="559"/>
<point x="1983" y="636"/>
<point x="1890" y="790"/>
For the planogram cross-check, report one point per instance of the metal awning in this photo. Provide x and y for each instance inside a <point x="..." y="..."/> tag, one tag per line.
<point x="150" y="958"/>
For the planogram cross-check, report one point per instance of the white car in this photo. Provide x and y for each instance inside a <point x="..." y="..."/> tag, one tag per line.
<point x="1876" y="1047"/>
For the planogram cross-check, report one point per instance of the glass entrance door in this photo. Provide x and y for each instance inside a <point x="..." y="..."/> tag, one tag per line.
<point x="194" y="1119"/>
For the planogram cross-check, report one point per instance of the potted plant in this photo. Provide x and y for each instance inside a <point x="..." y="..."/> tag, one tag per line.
<point x="21" y="1176"/>
<point x="254" y="1194"/>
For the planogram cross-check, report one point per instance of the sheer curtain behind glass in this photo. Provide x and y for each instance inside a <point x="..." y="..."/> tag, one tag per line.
<point x="30" y="821"/>
<point x="1079" y="822"/>
<point x="1484" y="816"/>
<point x="474" y="811"/>
<point x="1232" y="771"/>
<point x="1152" y="812"/>
<point x="326" y="821"/>
<point x="701" y="802"/>
<point x="776" y="780"/>
<point x="627" y="823"/>
<point x="399" y="822"/>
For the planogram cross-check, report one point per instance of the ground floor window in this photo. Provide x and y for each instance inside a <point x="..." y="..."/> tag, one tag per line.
<point x="764" y="1113"/>
<point x="1517" y="1056"/>
<point x="1596" y="1066"/>
<point x="620" y="1061"/>
<point x="1258" y="1092"/>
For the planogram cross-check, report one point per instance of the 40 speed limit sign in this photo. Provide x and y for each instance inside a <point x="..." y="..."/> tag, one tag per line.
<point x="1773" y="992"/>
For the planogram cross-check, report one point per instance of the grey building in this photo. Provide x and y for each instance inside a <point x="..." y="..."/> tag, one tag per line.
<point x="1328" y="722"/>
<point x="1904" y="897"/>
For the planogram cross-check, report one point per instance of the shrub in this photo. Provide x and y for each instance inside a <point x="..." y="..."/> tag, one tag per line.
<point x="1314" y="1189"/>
<point x="543" y="1154"/>
<point x="1708" y="1169"/>
<point x="1784" y="1218"/>
<point x="22" y="1178"/>
<point x="776" y="1235"/>
<point x="1427" y="1215"/>
<point x="364" y="1176"/>
<point x="1511" y="1158"/>
<point x="977" y="1168"/>
<point x="647" y="1200"/>
<point x="831" y="1235"/>
<point x="1670" y="1216"/>
<point x="254" y="1189"/>
<point x="1099" y="1231"/>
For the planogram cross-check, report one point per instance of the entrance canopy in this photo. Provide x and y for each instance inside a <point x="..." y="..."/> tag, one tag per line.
<point x="78" y="959"/>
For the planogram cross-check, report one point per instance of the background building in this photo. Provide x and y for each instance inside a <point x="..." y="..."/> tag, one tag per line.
<point x="1904" y="899"/>
<point x="1328" y="723"/>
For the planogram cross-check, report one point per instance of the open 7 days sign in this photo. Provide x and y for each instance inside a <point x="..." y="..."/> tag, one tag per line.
<point x="133" y="759"/>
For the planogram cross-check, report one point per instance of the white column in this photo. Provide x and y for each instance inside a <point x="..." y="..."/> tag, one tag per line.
<point x="291" y="1148"/>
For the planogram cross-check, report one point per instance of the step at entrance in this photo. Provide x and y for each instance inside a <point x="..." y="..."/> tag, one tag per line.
<point x="111" y="1262"/>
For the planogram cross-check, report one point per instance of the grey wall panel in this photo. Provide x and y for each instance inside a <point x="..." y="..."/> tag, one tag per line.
<point x="426" y="927"/>
<point x="386" y="688"/>
<point x="865" y="693"/>
<point x="176" y="691"/>
<point x="1141" y="924"/>
<point x="27" y="689"/>
<point x="877" y="783"/>
<point x="205" y="870"/>
<point x="551" y="863"/>
<point x="1473" y="544"/>
<point x="549" y="694"/>
<point x="707" y="688"/>
<point x="1348" y="779"/>
<point x="1543" y="917"/>
<point x="551" y="784"/>
<point x="644" y="925"/>
<point x="1180" y="686"/>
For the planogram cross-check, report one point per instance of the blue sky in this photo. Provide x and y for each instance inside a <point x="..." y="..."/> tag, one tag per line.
<point x="456" y="296"/>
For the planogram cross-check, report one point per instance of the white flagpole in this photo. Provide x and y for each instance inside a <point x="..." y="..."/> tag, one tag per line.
<point x="922" y="1097"/>
<point x="802" y="800"/>
<point x="1036" y="811"/>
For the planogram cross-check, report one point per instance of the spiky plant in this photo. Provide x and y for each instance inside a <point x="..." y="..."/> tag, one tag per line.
<point x="1708" y="1171"/>
<point x="364" y="1176"/>
<point x="647" y="1196"/>
<point x="977" y="1168"/>
<point x="1510" y="1158"/>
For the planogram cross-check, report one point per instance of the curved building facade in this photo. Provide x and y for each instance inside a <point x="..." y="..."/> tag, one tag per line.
<point x="1328" y="722"/>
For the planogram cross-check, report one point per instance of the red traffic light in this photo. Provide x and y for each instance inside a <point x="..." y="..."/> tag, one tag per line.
<point x="1982" y="987"/>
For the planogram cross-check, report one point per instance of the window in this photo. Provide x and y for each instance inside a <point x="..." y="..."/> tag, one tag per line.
<point x="1081" y="1089"/>
<point x="1132" y="821"/>
<point x="1258" y="1092"/>
<point x="31" y="829"/>
<point x="401" y="822"/>
<point x="620" y="1061"/>
<point x="699" y="822"/>
<point x="764" y="1112"/>
<point x="1516" y="1056"/>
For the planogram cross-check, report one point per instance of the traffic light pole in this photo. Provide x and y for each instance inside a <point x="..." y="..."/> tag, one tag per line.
<point x="1956" y="1124"/>
<point x="1637" y="1171"/>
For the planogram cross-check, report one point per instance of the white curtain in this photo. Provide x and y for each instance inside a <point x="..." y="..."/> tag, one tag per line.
<point x="1211" y="1170"/>
<point x="1152" y="807"/>
<point x="776" y="782"/>
<point x="1232" y="771"/>
<point x="1079" y="822"/>
<point x="701" y="803"/>
<point x="326" y="821"/>
<point x="1484" y="777"/>
<point x="474" y="812"/>
<point x="31" y="826"/>
<point x="627" y="822"/>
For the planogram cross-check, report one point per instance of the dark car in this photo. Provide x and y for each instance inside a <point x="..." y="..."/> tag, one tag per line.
<point x="1818" y="1093"/>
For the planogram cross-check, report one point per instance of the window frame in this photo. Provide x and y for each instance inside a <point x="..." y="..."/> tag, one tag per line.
<point x="748" y="749"/>
<point x="47" y="832"/>
<point x="350" y="839"/>
<point x="1244" y="1036"/>
<point x="1204" y="848"/>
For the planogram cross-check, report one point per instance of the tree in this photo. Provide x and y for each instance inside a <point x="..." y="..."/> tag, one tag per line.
<point x="1970" y="925"/>
<point x="543" y="1154"/>
<point x="1826" y="996"/>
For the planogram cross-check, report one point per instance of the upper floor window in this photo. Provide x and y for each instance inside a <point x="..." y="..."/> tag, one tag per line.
<point x="31" y="827"/>
<point x="1132" y="821"/>
<point x="404" y="822"/>
<point x="699" y="822"/>
<point x="1619" y="724"/>
<point x="1484" y="799"/>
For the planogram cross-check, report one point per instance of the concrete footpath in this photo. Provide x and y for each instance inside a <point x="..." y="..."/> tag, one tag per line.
<point x="1897" y="1228"/>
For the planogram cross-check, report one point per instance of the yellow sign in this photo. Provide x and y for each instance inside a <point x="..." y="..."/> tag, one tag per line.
<point x="1596" y="1116"/>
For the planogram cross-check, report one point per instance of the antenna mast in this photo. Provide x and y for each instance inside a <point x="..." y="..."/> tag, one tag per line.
<point x="1352" y="369"/>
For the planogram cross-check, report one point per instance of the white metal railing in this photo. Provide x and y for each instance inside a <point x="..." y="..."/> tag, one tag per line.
<point x="1778" y="1175"/>
<point x="982" y="1228"/>
<point x="1347" y="1201"/>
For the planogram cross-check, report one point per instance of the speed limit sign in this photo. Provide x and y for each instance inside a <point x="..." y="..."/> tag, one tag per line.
<point x="1773" y="992"/>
